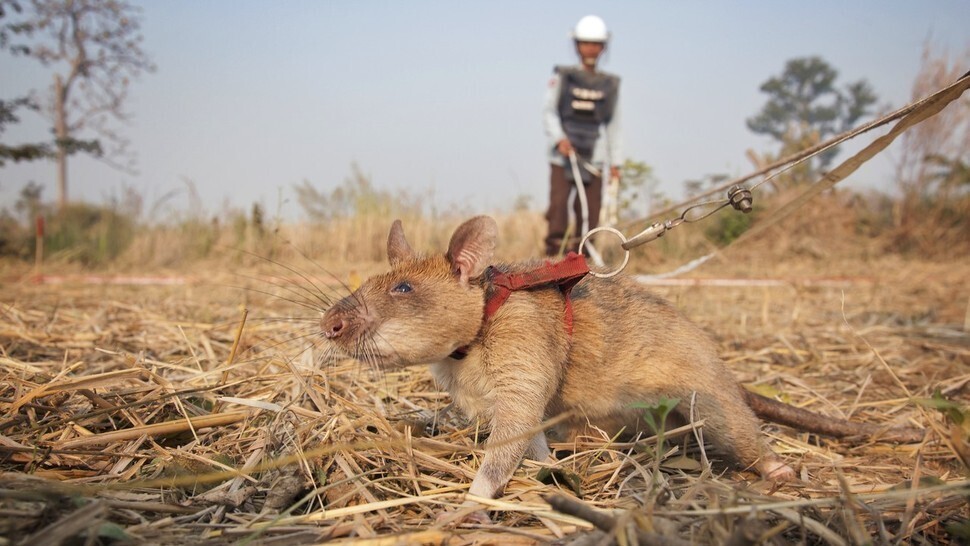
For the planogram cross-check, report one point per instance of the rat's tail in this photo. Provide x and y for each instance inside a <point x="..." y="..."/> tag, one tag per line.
<point x="808" y="421"/>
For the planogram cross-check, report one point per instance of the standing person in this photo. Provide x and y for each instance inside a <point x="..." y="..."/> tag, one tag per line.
<point x="581" y="115"/>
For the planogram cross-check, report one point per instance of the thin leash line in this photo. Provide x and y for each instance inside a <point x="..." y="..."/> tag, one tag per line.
<point x="584" y="205"/>
<point x="925" y="109"/>
<point x="911" y="115"/>
<point x="793" y="160"/>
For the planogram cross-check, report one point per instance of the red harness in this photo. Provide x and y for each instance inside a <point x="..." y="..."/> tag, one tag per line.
<point x="564" y="274"/>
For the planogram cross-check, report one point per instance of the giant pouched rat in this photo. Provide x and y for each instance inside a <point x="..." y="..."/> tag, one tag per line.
<point x="523" y="363"/>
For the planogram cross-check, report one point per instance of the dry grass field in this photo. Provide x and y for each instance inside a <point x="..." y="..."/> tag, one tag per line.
<point x="166" y="414"/>
<point x="168" y="394"/>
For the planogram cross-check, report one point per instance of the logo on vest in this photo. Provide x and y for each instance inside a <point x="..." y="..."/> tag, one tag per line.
<point x="588" y="94"/>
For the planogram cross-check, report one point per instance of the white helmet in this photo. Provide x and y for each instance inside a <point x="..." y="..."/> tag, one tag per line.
<point x="591" y="29"/>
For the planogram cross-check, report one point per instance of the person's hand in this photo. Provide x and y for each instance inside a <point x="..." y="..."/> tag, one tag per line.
<point x="614" y="172"/>
<point x="564" y="147"/>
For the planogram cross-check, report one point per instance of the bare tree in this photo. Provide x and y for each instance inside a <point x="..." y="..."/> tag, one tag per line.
<point x="933" y="165"/>
<point x="94" y="48"/>
<point x="941" y="140"/>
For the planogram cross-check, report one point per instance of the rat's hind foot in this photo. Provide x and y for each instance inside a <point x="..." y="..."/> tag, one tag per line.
<point x="772" y="468"/>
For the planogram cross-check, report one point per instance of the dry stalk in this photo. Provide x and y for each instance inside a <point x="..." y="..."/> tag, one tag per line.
<point x="97" y="397"/>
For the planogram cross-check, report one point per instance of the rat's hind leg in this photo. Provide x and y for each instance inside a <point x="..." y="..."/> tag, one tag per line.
<point x="733" y="428"/>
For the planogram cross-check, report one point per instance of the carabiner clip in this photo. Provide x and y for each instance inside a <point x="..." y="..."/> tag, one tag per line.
<point x="655" y="231"/>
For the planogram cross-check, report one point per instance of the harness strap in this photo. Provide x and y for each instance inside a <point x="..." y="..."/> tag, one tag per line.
<point x="564" y="274"/>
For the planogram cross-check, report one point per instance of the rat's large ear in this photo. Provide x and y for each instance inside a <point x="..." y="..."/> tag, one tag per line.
<point x="398" y="249"/>
<point x="471" y="247"/>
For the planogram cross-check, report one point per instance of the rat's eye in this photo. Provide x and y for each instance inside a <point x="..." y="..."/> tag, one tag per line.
<point x="402" y="287"/>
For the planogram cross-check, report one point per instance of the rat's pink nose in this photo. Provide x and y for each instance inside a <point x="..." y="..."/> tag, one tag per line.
<point x="333" y="326"/>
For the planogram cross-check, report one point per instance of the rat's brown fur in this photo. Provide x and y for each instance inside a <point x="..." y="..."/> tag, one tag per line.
<point x="628" y="346"/>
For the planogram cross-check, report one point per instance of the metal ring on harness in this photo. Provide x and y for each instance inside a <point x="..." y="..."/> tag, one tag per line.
<point x="626" y="252"/>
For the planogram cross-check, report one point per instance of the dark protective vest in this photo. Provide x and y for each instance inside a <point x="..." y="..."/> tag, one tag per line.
<point x="586" y="100"/>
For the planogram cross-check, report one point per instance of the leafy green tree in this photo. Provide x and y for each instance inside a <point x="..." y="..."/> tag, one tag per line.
<point x="9" y="107"/>
<point x="94" y="49"/>
<point x="805" y="107"/>
<point x="19" y="152"/>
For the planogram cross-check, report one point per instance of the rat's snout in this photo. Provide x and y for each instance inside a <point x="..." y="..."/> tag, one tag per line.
<point x="343" y="320"/>
<point x="333" y="325"/>
<point x="339" y="321"/>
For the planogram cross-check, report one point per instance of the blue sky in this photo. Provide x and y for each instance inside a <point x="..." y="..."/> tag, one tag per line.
<point x="253" y="97"/>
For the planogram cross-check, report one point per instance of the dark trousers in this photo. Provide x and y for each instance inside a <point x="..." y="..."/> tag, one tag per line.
<point x="560" y="190"/>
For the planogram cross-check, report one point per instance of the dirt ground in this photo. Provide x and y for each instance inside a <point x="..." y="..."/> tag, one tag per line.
<point x="196" y="412"/>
